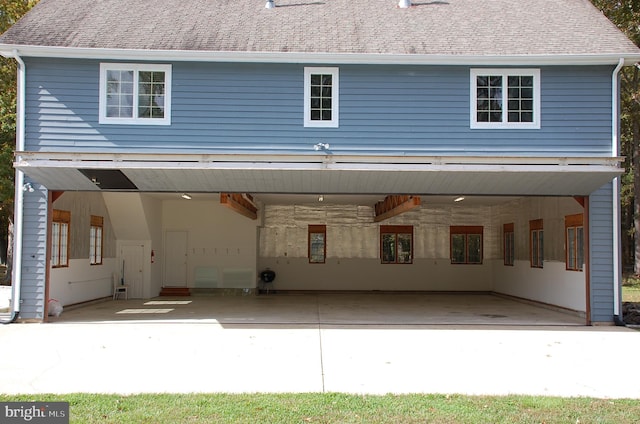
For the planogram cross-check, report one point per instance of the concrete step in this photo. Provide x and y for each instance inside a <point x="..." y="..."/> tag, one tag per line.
<point x="175" y="291"/>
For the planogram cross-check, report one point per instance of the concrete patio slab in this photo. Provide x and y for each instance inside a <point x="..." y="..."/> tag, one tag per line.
<point x="348" y="308"/>
<point x="311" y="345"/>
<point x="558" y="361"/>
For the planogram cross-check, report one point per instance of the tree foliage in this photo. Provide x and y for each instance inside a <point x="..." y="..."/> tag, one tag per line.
<point x="625" y="14"/>
<point x="10" y="12"/>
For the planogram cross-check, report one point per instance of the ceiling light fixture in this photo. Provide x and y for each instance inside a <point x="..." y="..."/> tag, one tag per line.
<point x="458" y="199"/>
<point x="186" y="196"/>
<point x="321" y="198"/>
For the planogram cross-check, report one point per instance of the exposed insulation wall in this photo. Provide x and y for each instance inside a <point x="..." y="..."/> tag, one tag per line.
<point x="351" y="232"/>
<point x="551" y="210"/>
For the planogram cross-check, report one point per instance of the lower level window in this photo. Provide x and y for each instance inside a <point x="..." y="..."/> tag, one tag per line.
<point x="574" y="233"/>
<point x="466" y="244"/>
<point x="509" y="246"/>
<point x="95" y="240"/>
<point x="317" y="244"/>
<point x="60" y="238"/>
<point x="396" y="244"/>
<point x="536" y="242"/>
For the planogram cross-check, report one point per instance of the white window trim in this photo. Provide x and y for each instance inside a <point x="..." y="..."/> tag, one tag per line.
<point x="335" y="100"/>
<point x="136" y="67"/>
<point x="535" y="73"/>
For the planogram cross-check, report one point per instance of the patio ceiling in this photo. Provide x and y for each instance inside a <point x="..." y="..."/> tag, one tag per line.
<point x="337" y="176"/>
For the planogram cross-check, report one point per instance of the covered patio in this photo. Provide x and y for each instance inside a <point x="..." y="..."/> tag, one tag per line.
<point x="348" y="309"/>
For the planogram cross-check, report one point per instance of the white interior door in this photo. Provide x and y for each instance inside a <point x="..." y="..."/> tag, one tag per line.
<point x="132" y="263"/>
<point x="175" y="259"/>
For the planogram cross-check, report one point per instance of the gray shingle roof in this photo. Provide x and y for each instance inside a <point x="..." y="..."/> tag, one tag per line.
<point x="429" y="27"/>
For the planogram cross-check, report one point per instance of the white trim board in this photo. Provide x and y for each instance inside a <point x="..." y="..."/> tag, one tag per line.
<point x="10" y="50"/>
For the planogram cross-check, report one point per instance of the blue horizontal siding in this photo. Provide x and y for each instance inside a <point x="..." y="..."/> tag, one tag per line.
<point x="601" y="253"/>
<point x="34" y="242"/>
<point x="258" y="108"/>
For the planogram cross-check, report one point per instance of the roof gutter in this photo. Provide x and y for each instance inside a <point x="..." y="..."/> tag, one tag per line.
<point x="615" y="123"/>
<point x="317" y="57"/>
<point x="16" y="277"/>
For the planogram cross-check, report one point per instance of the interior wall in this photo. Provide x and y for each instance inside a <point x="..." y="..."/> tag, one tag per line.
<point x="133" y="222"/>
<point x="221" y="244"/>
<point x="222" y="251"/>
<point x="152" y="207"/>
<point x="82" y="205"/>
<point x="552" y="284"/>
<point x="353" y="249"/>
<point x="81" y="281"/>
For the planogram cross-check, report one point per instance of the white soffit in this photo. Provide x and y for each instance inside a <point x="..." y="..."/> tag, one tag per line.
<point x="336" y="178"/>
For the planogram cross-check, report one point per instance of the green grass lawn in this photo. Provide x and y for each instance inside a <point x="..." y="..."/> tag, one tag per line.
<point x="631" y="289"/>
<point x="338" y="408"/>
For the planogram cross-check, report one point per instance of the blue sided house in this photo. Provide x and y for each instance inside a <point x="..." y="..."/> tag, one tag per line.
<point x="347" y="145"/>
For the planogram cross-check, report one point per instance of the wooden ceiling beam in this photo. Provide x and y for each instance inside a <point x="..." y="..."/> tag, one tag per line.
<point x="580" y="199"/>
<point x="394" y="205"/>
<point x="238" y="203"/>
<point x="55" y="195"/>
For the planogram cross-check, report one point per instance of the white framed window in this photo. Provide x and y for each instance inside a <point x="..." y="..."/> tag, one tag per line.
<point x="505" y="98"/>
<point x="321" y="100"/>
<point x="135" y="94"/>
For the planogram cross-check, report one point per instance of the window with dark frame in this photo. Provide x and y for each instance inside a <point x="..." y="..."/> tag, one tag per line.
<point x="396" y="244"/>
<point x="509" y="245"/>
<point x="60" y="226"/>
<point x="321" y="85"/>
<point x="317" y="249"/>
<point x="96" y="240"/>
<point x="574" y="241"/>
<point x="536" y="243"/>
<point x="466" y="244"/>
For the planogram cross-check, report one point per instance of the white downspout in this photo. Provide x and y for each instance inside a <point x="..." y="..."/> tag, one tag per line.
<point x="16" y="277"/>
<point x="615" y="118"/>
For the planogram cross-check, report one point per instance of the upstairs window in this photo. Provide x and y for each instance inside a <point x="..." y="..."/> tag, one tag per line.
<point x="61" y="222"/>
<point x="321" y="97"/>
<point x="135" y="94"/>
<point x="95" y="240"/>
<point x="466" y="244"/>
<point x="505" y="98"/>
<point x="396" y="244"/>
<point x="574" y="233"/>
